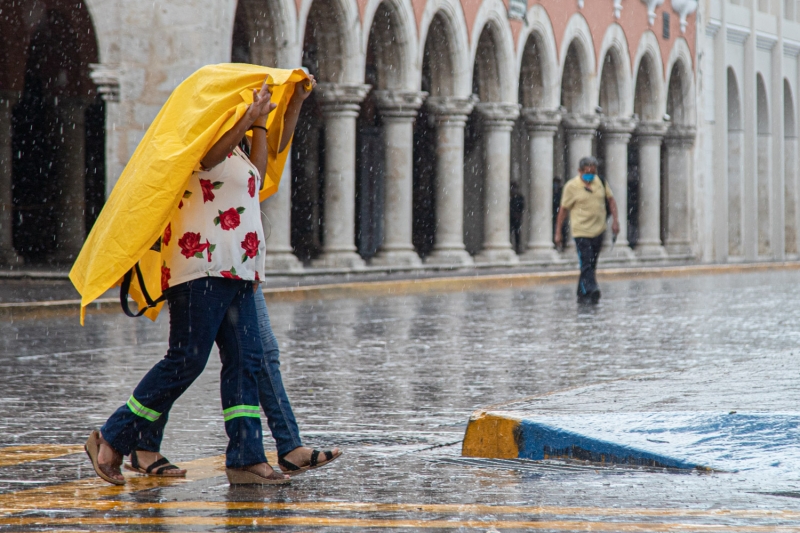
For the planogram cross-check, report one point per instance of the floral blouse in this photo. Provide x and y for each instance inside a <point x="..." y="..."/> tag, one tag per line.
<point x="217" y="231"/>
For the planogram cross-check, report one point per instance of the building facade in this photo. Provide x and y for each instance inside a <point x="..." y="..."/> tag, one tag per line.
<point x="425" y="113"/>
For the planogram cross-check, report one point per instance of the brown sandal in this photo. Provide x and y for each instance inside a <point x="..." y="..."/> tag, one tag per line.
<point x="106" y="472"/>
<point x="292" y="469"/>
<point x="162" y="467"/>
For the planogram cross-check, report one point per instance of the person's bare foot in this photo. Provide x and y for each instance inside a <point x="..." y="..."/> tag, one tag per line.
<point x="265" y="470"/>
<point x="110" y="460"/>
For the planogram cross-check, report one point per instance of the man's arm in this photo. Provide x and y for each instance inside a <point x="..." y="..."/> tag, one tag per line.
<point x="612" y="205"/>
<point x="562" y="216"/>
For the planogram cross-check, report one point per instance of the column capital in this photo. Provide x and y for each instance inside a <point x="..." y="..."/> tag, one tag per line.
<point x="450" y="108"/>
<point x="106" y="77"/>
<point x="541" y="120"/>
<point x="580" y="124"/>
<point x="399" y="104"/>
<point x="651" y="132"/>
<point x="681" y="136"/>
<point x="336" y="98"/>
<point x="499" y="112"/>
<point x="618" y="129"/>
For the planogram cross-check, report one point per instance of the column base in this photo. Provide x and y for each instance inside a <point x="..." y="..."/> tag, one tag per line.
<point x="541" y="253"/>
<point x="681" y="249"/>
<point x="400" y="258"/>
<point x="498" y="255"/>
<point x="282" y="261"/>
<point x="621" y="252"/>
<point x="650" y="251"/>
<point x="449" y="257"/>
<point x="349" y="260"/>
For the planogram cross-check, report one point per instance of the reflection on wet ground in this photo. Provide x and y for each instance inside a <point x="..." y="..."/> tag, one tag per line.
<point x="393" y="381"/>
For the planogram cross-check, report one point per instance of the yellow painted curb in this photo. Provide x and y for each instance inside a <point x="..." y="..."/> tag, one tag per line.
<point x="491" y="436"/>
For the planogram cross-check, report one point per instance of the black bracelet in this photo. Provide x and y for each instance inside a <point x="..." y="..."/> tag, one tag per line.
<point x="259" y="127"/>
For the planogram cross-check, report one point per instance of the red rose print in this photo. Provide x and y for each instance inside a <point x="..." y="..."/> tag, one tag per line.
<point x="164" y="277"/>
<point x="257" y="278"/>
<point x="211" y="248"/>
<point x="180" y="205"/>
<point x="190" y="245"/>
<point x="251" y="185"/>
<point x="229" y="219"/>
<point x="230" y="274"/>
<point x="250" y="246"/>
<point x="167" y="235"/>
<point x="208" y="189"/>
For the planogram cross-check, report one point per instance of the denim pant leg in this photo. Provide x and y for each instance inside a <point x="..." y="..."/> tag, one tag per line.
<point x="588" y="252"/>
<point x="271" y="392"/>
<point x="196" y="310"/>
<point x="241" y="354"/>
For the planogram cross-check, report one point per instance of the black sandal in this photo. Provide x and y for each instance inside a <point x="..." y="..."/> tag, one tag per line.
<point x="162" y="467"/>
<point x="292" y="469"/>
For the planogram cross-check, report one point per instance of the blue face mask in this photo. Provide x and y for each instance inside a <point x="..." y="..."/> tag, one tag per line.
<point x="588" y="178"/>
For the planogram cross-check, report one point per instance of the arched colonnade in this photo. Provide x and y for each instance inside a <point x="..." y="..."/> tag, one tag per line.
<point x="420" y="123"/>
<point x="407" y="150"/>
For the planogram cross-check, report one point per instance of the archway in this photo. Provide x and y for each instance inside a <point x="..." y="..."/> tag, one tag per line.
<point x="487" y="152"/>
<point x="790" y="169"/>
<point x="438" y="81"/>
<point x="613" y="138"/>
<point x="763" y="163"/>
<point x="385" y="130"/>
<point x="56" y="123"/>
<point x="644" y="161"/>
<point x="735" y="163"/>
<point x="535" y="165"/>
<point x="677" y="163"/>
<point x="579" y="124"/>
<point x="323" y="53"/>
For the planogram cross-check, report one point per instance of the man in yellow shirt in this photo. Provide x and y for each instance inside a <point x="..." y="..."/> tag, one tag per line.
<point x="584" y="199"/>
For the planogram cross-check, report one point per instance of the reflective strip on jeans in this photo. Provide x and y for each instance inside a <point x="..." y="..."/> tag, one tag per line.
<point x="251" y="411"/>
<point x="140" y="410"/>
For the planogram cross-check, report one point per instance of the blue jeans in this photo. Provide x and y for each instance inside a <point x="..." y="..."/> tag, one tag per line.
<point x="201" y="312"/>
<point x="588" y="252"/>
<point x="271" y="393"/>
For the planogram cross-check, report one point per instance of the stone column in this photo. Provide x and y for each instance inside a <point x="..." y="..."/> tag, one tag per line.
<point x="398" y="110"/>
<point x="340" y="107"/>
<point x="71" y="227"/>
<point x="792" y="221"/>
<point x="278" y="225"/>
<point x="498" y="121"/>
<point x="541" y="127"/>
<point x="579" y="131"/>
<point x="616" y="136"/>
<point x="649" y="136"/>
<point x="679" y="140"/>
<point x="8" y="255"/>
<point x="451" y="117"/>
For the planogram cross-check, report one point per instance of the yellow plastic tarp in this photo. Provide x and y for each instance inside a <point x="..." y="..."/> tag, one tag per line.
<point x="146" y="196"/>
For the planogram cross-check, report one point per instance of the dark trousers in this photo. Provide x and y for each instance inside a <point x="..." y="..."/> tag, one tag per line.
<point x="271" y="393"/>
<point x="588" y="252"/>
<point x="202" y="312"/>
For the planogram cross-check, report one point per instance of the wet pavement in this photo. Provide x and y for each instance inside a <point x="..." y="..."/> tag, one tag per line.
<point x="393" y="381"/>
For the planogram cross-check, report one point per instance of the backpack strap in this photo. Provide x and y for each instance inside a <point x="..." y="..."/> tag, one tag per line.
<point x="125" y="288"/>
